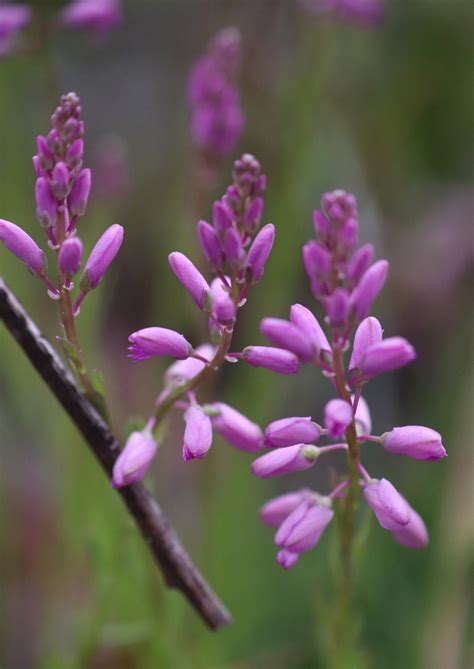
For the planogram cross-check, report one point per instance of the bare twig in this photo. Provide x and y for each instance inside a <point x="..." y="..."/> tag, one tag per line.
<point x="178" y="569"/>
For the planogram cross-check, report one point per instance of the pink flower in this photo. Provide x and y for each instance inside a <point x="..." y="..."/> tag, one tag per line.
<point x="290" y="431"/>
<point x="337" y="417"/>
<point x="421" y="443"/>
<point x="133" y="462"/>
<point x="275" y="359"/>
<point x="197" y="435"/>
<point x="303" y="528"/>
<point x="23" y="247"/>
<point x="151" y="342"/>
<point x="236" y="428"/>
<point x="101" y="257"/>
<point x="285" y="460"/>
<point x="191" y="278"/>
<point x="390" y="508"/>
<point x="274" y="512"/>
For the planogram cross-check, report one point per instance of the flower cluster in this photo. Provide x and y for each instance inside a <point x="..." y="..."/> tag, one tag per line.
<point x="346" y="281"/>
<point x="356" y="11"/>
<point x="237" y="250"/>
<point x="61" y="191"/>
<point x="217" y="120"/>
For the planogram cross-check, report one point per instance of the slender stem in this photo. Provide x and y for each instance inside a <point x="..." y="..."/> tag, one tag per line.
<point x="331" y="447"/>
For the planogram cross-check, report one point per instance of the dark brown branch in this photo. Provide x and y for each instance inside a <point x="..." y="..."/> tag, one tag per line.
<point x="178" y="569"/>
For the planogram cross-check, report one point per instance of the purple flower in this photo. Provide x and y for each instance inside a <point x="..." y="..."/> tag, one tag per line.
<point x="390" y="508"/>
<point x="337" y="307"/>
<point x="414" y="534"/>
<point x="285" y="460"/>
<point x="60" y="181"/>
<point x="221" y="216"/>
<point x="23" y="247"/>
<point x="275" y="359"/>
<point x="337" y="417"/>
<point x="274" y="512"/>
<point x="303" y="528"/>
<point x="284" y="334"/>
<point x="183" y="370"/>
<point x="359" y="263"/>
<point x="210" y="244"/>
<point x="46" y="204"/>
<point x="133" y="462"/>
<point x="290" y="431"/>
<point x="151" y="342"/>
<point x="367" y="334"/>
<point x="80" y="193"/>
<point x="223" y="307"/>
<point x="101" y="257"/>
<point x="308" y="325"/>
<point x="197" y="434"/>
<point x="389" y="354"/>
<point x="421" y="443"/>
<point x="368" y="288"/>
<point x="287" y="559"/>
<point x="13" y="18"/>
<point x="98" y="15"/>
<point x="191" y="278"/>
<point x="259" y="252"/>
<point x="236" y="428"/>
<point x="70" y="255"/>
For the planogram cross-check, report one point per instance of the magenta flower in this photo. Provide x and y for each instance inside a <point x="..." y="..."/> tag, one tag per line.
<point x="23" y="247"/>
<point x="210" y="244"/>
<point x="287" y="559"/>
<point x="183" y="370"/>
<point x="151" y="342"/>
<point x="367" y="334"/>
<point x="363" y="420"/>
<point x="236" y="428"/>
<point x="70" y="255"/>
<point x="80" y="193"/>
<point x="275" y="359"/>
<point x="368" y="288"/>
<point x="284" y="334"/>
<point x="391" y="509"/>
<point x="308" y="325"/>
<point x="421" y="443"/>
<point x="197" y="434"/>
<point x="303" y="528"/>
<point x="223" y="307"/>
<point x="337" y="417"/>
<point x="98" y="15"/>
<point x="134" y="460"/>
<point x="46" y="203"/>
<point x="259" y="252"/>
<point x="389" y="354"/>
<point x="191" y="278"/>
<point x="285" y="460"/>
<point x="101" y="257"/>
<point x="414" y="534"/>
<point x="276" y="510"/>
<point x="290" y="431"/>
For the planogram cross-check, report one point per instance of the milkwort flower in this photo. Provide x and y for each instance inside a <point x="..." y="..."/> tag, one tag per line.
<point x="237" y="250"/>
<point x="346" y="281"/>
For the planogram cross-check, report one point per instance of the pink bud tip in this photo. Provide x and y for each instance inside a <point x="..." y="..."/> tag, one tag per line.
<point x="191" y="278"/>
<point x="274" y="512"/>
<point x="23" y="247"/>
<point x="367" y="334"/>
<point x="236" y="428"/>
<point x="337" y="417"/>
<point x="369" y="287"/>
<point x="155" y="341"/>
<point x="303" y="528"/>
<point x="285" y="460"/>
<point x="101" y="257"/>
<point x="414" y="534"/>
<point x="259" y="252"/>
<point x="390" y="508"/>
<point x="70" y="255"/>
<point x="287" y="559"/>
<point x="290" y="431"/>
<point x="210" y="244"/>
<point x="421" y="443"/>
<point x="134" y="460"/>
<point x="197" y="434"/>
<point x="275" y="359"/>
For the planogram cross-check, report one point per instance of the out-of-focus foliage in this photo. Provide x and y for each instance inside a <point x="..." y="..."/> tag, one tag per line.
<point x="383" y="112"/>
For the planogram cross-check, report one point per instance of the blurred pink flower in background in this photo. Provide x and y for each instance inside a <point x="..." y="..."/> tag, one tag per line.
<point x="12" y="19"/>
<point x="356" y="11"/>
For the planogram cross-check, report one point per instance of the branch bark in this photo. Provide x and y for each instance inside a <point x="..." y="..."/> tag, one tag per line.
<point x="178" y="569"/>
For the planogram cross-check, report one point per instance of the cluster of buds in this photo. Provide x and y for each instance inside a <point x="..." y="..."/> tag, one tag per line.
<point x="237" y="251"/>
<point x="362" y="12"/>
<point x="346" y="282"/>
<point x="217" y="120"/>
<point x="61" y="191"/>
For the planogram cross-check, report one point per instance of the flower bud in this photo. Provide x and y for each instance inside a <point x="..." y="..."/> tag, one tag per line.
<point x="287" y="559"/>
<point x="191" y="278"/>
<point x="368" y="288"/>
<point x="303" y="528"/>
<point x="154" y="341"/>
<point x="367" y="334"/>
<point x="197" y="434"/>
<point x="274" y="512"/>
<point x="363" y="420"/>
<point x="183" y="370"/>
<point x="46" y="205"/>
<point x="285" y="460"/>
<point x="259" y="252"/>
<point x="133" y="462"/>
<point x="253" y="214"/>
<point x="359" y="263"/>
<point x="236" y="428"/>
<point x="414" y="534"/>
<point x="45" y="156"/>
<point x="101" y="257"/>
<point x="308" y="325"/>
<point x="232" y="246"/>
<point x="221" y="216"/>
<point x="316" y="260"/>
<point x="337" y="307"/>
<point x="320" y="224"/>
<point x="210" y="244"/>
<point x="389" y="354"/>
<point x="284" y="334"/>
<point x="23" y="247"/>
<point x="275" y="359"/>
<point x="98" y="15"/>
<point x="223" y="307"/>
<point x="80" y="193"/>
<point x="289" y="431"/>
<point x="39" y="171"/>
<point x="60" y="181"/>
<point x="75" y="154"/>
<point x="70" y="255"/>
<point x="390" y="508"/>
<point x="421" y="443"/>
<point x="337" y="417"/>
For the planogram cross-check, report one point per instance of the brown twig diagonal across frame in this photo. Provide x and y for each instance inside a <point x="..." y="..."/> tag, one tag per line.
<point x="178" y="569"/>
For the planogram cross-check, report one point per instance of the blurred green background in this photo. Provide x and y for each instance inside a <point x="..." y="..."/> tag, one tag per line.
<point x="384" y="112"/>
